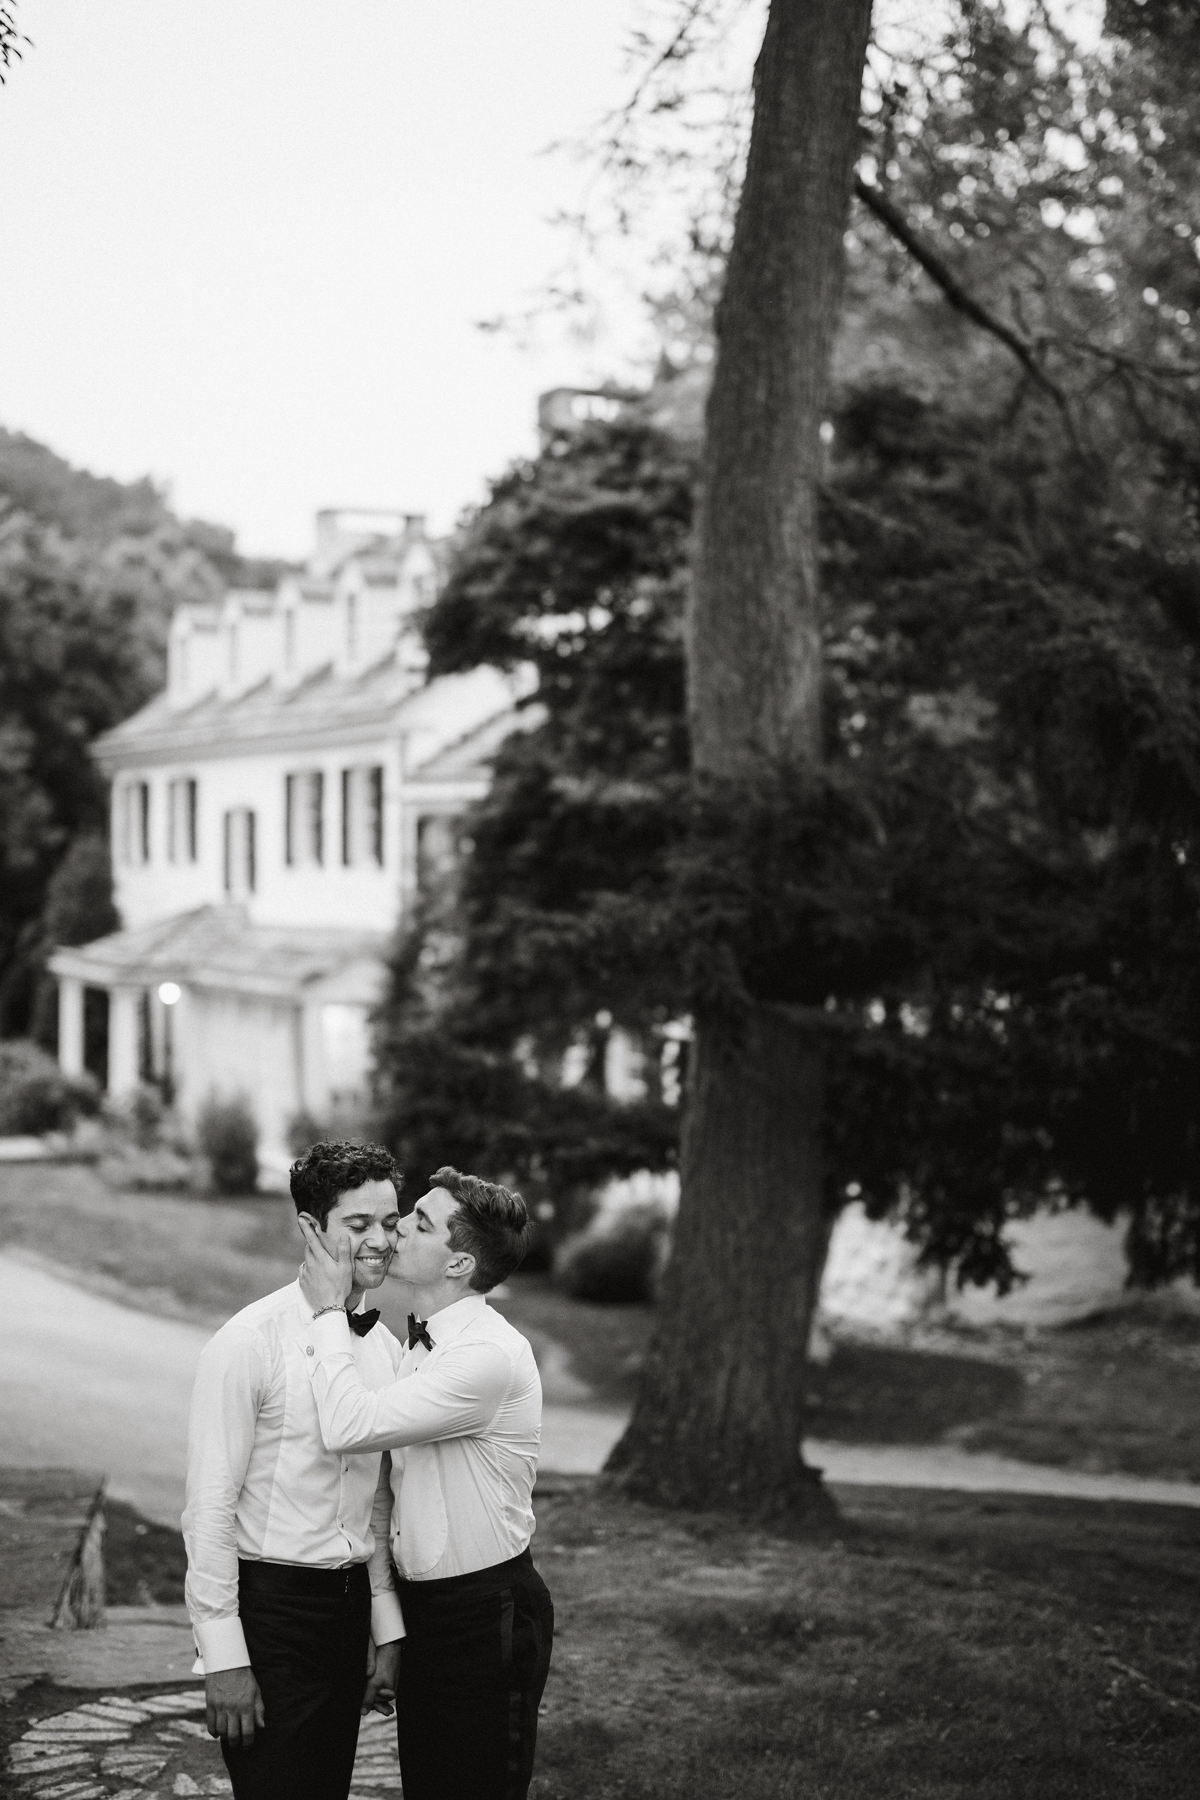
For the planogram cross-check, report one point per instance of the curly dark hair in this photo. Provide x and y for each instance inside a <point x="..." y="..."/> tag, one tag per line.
<point x="326" y="1171"/>
<point x="491" y="1223"/>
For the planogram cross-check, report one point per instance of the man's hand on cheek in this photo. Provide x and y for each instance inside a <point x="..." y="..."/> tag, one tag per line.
<point x="328" y="1273"/>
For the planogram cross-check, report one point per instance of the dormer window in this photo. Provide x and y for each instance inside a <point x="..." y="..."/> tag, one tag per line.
<point x="231" y="655"/>
<point x="304" y="819"/>
<point x="289" y="641"/>
<point x="351" y="628"/>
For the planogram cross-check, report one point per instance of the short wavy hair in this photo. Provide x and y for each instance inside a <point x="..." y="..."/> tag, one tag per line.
<point x="327" y="1171"/>
<point x="490" y="1222"/>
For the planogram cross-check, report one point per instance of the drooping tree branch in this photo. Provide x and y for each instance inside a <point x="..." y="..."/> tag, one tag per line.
<point x="10" y="40"/>
<point x="955" y="293"/>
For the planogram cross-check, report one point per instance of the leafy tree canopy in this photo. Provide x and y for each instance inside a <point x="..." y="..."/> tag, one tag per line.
<point x="988" y="902"/>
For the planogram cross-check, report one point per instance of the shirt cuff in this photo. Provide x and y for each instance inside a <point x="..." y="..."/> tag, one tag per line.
<point x="222" y="1644"/>
<point x="330" y="1333"/>
<point x="387" y="1621"/>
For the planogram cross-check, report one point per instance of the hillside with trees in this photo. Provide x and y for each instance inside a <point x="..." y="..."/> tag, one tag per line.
<point x="90" y="571"/>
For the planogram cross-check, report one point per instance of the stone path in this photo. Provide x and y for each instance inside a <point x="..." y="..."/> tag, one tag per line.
<point x="153" y="1747"/>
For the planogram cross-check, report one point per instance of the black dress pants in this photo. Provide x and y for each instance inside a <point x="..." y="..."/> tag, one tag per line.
<point x="472" y="1670"/>
<point x="307" y="1631"/>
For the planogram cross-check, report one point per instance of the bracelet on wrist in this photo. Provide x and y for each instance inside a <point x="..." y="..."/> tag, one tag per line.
<point x="325" y="1309"/>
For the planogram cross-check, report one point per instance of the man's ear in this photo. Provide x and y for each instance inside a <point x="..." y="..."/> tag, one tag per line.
<point x="310" y="1220"/>
<point x="461" y="1263"/>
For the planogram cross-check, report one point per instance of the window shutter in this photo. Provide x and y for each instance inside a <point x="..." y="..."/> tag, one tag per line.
<point x="376" y="806"/>
<point x="192" y="793"/>
<point x="228" y="852"/>
<point x="250" y="850"/>
<point x="347" y="820"/>
<point x="289" y="810"/>
<point x="318" y="816"/>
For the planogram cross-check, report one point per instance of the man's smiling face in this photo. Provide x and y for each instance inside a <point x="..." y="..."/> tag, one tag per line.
<point x="368" y="1217"/>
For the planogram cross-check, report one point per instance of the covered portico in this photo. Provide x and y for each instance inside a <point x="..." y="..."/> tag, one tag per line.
<point x="207" y="1003"/>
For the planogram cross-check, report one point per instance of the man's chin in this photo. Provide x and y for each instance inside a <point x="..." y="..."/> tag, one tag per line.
<point x="369" y="1275"/>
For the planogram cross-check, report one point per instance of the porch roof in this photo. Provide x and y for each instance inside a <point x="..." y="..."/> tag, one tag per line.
<point x="217" y="947"/>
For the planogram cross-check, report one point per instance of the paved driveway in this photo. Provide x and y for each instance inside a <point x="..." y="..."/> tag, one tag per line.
<point x="86" y="1383"/>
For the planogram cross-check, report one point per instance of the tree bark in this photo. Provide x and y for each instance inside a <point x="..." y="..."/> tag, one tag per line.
<point x="720" y="1409"/>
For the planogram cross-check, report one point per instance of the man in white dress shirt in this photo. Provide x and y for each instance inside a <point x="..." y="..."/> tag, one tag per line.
<point x="463" y="1424"/>
<point x="289" y="1573"/>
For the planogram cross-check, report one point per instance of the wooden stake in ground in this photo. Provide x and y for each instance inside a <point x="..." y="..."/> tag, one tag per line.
<point x="81" y="1602"/>
<point x="719" y="1414"/>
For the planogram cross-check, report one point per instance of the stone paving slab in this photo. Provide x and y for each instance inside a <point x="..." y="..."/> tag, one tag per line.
<point x="135" y="1644"/>
<point x="148" y="1745"/>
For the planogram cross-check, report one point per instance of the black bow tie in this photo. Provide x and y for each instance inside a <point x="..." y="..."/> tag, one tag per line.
<point x="361" y="1323"/>
<point x="417" y="1333"/>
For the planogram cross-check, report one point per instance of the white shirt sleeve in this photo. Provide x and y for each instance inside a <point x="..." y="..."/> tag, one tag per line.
<point x="387" y="1620"/>
<point x="230" y="1382"/>
<point x="458" y="1395"/>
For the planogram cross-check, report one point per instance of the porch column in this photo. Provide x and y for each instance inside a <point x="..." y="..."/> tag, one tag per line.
<point x="314" y="1087"/>
<point x="122" y="1040"/>
<point x="70" y="1025"/>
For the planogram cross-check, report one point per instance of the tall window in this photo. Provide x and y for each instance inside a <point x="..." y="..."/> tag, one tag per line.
<point x="362" y="816"/>
<point x="133" y="822"/>
<point x="240" y="859"/>
<point x="304" y="819"/>
<point x="181" y="820"/>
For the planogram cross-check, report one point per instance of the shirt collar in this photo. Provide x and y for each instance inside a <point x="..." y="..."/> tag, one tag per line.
<point x="454" y="1318"/>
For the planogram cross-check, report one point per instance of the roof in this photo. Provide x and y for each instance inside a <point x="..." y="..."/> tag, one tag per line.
<point x="477" y="748"/>
<point x="323" y="708"/>
<point x="218" y="947"/>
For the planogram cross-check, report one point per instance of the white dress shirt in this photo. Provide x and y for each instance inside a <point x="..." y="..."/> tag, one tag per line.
<point x="262" y="1486"/>
<point x="463" y="1422"/>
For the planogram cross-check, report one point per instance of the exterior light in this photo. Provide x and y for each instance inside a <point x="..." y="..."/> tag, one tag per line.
<point x="170" y="992"/>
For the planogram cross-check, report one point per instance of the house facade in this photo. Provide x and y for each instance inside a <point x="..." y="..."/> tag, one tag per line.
<point x="276" y="811"/>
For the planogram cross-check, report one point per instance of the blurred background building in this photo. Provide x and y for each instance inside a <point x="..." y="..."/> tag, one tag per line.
<point x="275" y="810"/>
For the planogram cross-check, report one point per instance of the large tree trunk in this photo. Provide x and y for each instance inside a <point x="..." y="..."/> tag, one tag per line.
<point x="720" y="1410"/>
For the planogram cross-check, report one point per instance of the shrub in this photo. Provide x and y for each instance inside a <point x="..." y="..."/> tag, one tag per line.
<point x="227" y="1134"/>
<point x="618" y="1259"/>
<point x="35" y="1095"/>
<point x="138" y="1115"/>
<point x="162" y="1170"/>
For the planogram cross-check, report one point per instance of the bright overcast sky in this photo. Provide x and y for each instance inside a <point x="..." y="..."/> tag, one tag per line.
<point x="244" y="247"/>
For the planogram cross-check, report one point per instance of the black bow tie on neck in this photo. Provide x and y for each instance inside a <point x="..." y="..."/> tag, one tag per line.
<point x="361" y="1323"/>
<point x="417" y="1333"/>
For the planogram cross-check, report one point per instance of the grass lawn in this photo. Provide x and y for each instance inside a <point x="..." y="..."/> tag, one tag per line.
<point x="1120" y="1391"/>
<point x="943" y="1645"/>
<point x="940" y="1645"/>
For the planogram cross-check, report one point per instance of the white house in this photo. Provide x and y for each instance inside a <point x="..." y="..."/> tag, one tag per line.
<point x="275" y="810"/>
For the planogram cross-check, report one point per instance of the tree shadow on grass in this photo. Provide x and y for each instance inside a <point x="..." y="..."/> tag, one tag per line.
<point x="869" y="1394"/>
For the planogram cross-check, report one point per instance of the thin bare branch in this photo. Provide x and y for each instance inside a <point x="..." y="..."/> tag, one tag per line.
<point x="956" y="294"/>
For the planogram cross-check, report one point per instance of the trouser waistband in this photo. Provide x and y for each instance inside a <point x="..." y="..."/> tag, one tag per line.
<point x="299" y="1578"/>
<point x="475" y="1581"/>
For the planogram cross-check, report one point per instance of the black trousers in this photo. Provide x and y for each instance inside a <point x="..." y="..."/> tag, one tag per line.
<point x="307" y="1631"/>
<point x="472" y="1670"/>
